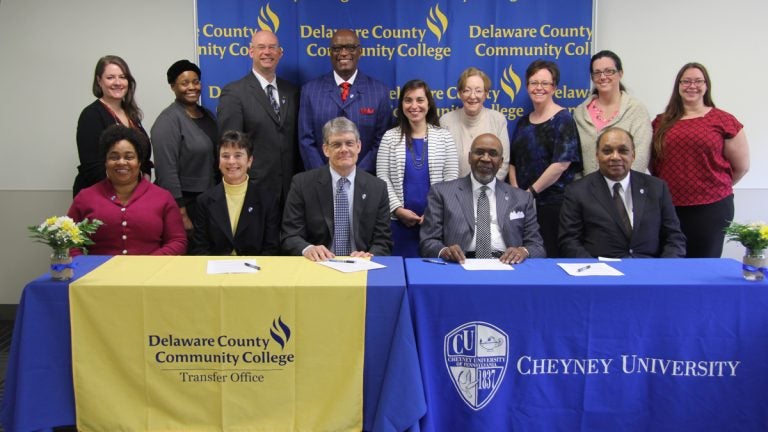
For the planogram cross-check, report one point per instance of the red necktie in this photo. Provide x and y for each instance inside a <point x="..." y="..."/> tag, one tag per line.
<point x="344" y="90"/>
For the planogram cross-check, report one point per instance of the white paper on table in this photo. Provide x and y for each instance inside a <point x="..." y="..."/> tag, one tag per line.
<point x="231" y="266"/>
<point x="351" y="265"/>
<point x="485" y="264"/>
<point x="606" y="259"/>
<point x="589" y="269"/>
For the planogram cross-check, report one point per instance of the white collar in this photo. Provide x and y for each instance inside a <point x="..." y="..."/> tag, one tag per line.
<point x="340" y="80"/>
<point x="476" y="185"/>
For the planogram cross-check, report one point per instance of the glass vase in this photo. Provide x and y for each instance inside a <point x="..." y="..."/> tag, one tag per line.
<point x="61" y="265"/>
<point x="754" y="265"/>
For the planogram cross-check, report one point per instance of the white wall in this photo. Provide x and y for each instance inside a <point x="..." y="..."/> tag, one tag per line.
<point x="49" y="49"/>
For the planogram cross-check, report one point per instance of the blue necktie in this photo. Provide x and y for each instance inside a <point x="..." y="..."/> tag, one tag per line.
<point x="341" y="225"/>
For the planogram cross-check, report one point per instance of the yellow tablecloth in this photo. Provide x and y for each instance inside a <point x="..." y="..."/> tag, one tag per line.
<point x="158" y="344"/>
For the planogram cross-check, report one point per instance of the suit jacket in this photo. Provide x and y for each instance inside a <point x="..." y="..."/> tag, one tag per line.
<point x="368" y="106"/>
<point x="308" y="214"/>
<point x="450" y="218"/>
<point x="244" y="106"/>
<point x="257" y="226"/>
<point x="590" y="225"/>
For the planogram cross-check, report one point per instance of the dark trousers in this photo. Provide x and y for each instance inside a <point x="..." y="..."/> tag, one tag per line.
<point x="548" y="216"/>
<point x="703" y="227"/>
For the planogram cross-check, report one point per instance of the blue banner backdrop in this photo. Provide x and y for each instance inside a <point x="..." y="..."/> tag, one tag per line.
<point x="406" y="39"/>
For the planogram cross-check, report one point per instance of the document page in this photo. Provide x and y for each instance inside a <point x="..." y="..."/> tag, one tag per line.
<point x="232" y="266"/>
<point x="589" y="269"/>
<point x="351" y="265"/>
<point x="485" y="264"/>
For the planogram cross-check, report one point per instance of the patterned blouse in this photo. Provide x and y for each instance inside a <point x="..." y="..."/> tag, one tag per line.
<point x="534" y="147"/>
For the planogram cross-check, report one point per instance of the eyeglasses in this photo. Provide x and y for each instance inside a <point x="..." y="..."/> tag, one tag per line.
<point x="543" y="84"/>
<point x="266" y="47"/>
<point x="470" y="92"/>
<point x="688" y="82"/>
<point x="482" y="152"/>
<point x="339" y="48"/>
<point x="606" y="72"/>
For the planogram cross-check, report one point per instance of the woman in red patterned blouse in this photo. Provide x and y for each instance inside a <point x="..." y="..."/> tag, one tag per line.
<point x="701" y="152"/>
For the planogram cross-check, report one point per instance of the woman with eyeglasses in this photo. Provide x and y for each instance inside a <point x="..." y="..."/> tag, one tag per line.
<point x="473" y="120"/>
<point x="414" y="155"/>
<point x="701" y="152"/>
<point x="544" y="151"/>
<point x="184" y="135"/>
<point x="611" y="106"/>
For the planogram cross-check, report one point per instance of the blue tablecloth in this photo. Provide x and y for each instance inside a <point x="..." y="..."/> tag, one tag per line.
<point x="38" y="388"/>
<point x="673" y="345"/>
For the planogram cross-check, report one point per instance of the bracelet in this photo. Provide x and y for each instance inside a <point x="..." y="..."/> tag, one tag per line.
<point x="533" y="191"/>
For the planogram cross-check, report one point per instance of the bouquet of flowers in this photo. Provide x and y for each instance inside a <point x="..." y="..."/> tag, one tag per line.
<point x="62" y="233"/>
<point x="753" y="236"/>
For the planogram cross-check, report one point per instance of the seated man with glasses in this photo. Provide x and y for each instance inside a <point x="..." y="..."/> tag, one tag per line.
<point x="617" y="212"/>
<point x="479" y="217"/>
<point x="344" y="92"/>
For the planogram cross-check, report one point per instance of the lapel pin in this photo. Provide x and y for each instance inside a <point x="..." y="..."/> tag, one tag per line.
<point x="250" y="209"/>
<point x="364" y="196"/>
<point x="642" y="191"/>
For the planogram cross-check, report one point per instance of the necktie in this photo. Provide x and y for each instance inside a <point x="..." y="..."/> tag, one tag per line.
<point x="344" y="90"/>
<point x="341" y="220"/>
<point x="483" y="226"/>
<point x="622" y="209"/>
<point x="273" y="100"/>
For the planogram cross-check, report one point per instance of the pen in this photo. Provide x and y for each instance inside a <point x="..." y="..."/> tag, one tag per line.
<point x="342" y="261"/>
<point x="253" y="266"/>
<point x="581" y="269"/>
<point x="434" y="261"/>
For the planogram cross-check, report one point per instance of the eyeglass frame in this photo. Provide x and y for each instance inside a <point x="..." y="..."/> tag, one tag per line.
<point x="542" y="84"/>
<point x="337" y="49"/>
<point x="468" y="92"/>
<point x="692" y="83"/>
<point x="606" y="72"/>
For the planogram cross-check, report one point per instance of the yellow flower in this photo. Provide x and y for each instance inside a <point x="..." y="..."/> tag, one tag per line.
<point x="51" y="221"/>
<point x="764" y="232"/>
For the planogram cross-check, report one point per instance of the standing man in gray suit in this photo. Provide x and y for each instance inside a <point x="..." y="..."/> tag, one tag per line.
<point x="337" y="209"/>
<point x="479" y="217"/>
<point x="266" y="108"/>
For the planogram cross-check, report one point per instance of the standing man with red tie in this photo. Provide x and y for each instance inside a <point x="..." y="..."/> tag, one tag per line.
<point x="344" y="92"/>
<point x="266" y="108"/>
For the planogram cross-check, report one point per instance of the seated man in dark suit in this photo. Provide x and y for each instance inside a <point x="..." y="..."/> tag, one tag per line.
<point x="337" y="209"/>
<point x="478" y="217"/>
<point x="599" y="218"/>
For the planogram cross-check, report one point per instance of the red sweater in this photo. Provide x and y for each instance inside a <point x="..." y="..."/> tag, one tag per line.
<point x="149" y="224"/>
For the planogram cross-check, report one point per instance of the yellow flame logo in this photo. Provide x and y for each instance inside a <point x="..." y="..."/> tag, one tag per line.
<point x="268" y="20"/>
<point x="510" y="83"/>
<point x="437" y="22"/>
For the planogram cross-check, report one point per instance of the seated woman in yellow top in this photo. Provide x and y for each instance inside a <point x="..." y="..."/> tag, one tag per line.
<point x="237" y="216"/>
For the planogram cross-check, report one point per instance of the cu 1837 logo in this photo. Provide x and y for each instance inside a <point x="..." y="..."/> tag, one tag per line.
<point x="476" y="356"/>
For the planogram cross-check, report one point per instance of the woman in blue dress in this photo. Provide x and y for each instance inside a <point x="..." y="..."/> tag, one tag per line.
<point x="412" y="156"/>
<point x="545" y="153"/>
